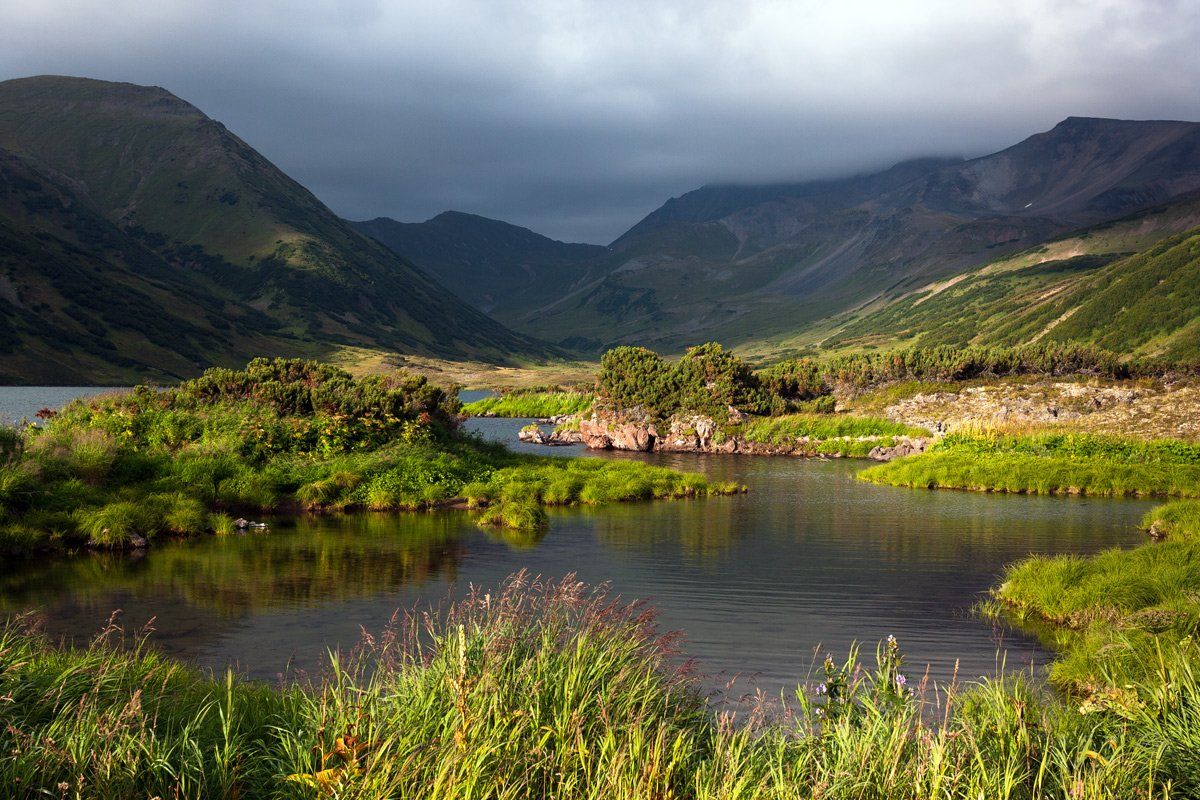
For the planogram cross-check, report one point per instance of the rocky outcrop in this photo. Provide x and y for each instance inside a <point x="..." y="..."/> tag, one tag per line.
<point x="619" y="435"/>
<point x="904" y="446"/>
<point x="1005" y="403"/>
<point x="533" y="434"/>
<point x="566" y="436"/>
<point x="702" y="434"/>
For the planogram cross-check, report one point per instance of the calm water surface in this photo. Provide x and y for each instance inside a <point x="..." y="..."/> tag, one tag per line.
<point x="810" y="557"/>
<point x="23" y="402"/>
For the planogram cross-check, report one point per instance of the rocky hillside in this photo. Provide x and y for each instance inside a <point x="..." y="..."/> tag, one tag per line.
<point x="1131" y="286"/>
<point x="140" y="238"/>
<point x="501" y="269"/>
<point x="757" y="264"/>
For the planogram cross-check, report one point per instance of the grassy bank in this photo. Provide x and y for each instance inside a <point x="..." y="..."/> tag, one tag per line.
<point x="1050" y="463"/>
<point x="841" y="435"/>
<point x="278" y="436"/>
<point x="1119" y="617"/>
<point x="531" y="404"/>
<point x="1175" y="521"/>
<point x="555" y="690"/>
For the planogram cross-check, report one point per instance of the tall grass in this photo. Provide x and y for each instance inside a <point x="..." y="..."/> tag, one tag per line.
<point x="1113" y="615"/>
<point x="531" y="404"/>
<point x="556" y="690"/>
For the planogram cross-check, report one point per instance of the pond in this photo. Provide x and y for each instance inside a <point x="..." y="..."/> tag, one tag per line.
<point x="809" y="558"/>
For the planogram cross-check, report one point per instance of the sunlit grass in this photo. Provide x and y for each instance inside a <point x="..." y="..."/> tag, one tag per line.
<point x="557" y="690"/>
<point x="1050" y="463"/>
<point x="531" y="404"/>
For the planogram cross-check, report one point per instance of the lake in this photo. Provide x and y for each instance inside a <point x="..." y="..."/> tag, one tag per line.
<point x="24" y="402"/>
<point x="809" y="557"/>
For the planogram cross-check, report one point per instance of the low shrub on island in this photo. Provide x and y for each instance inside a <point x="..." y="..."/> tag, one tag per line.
<point x="279" y="435"/>
<point x="557" y="690"/>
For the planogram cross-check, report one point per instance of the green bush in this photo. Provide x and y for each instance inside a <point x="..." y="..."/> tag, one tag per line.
<point x="709" y="379"/>
<point x="277" y="435"/>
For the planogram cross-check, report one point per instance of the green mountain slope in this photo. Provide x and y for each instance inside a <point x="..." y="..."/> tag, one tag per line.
<point x="208" y="228"/>
<point x="1084" y="288"/>
<point x="748" y="265"/>
<point x="501" y="269"/>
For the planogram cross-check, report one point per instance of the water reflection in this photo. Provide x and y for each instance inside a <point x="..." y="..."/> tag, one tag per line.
<point x="810" y="557"/>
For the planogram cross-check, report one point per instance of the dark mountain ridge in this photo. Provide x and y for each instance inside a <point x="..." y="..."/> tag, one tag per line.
<point x="751" y="263"/>
<point x="220" y="224"/>
<point x="493" y="265"/>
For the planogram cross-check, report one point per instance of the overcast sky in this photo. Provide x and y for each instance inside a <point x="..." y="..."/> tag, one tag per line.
<point x="578" y="118"/>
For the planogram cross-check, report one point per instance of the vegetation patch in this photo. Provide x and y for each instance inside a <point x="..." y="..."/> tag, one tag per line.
<point x="711" y="380"/>
<point x="1119" y="618"/>
<point x="1175" y="521"/>
<point x="558" y="690"/>
<point x="531" y="404"/>
<point x="1050" y="463"/>
<point x="789" y="428"/>
<point x="279" y="435"/>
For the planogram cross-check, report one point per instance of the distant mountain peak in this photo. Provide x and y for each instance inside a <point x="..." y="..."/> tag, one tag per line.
<point x="68" y="90"/>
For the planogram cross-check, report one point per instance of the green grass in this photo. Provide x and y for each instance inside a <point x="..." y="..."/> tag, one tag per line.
<point x="1144" y="303"/>
<point x="790" y="427"/>
<point x="557" y="690"/>
<point x="1050" y="463"/>
<point x="1175" y="521"/>
<point x="531" y="404"/>
<point x="1115" y="616"/>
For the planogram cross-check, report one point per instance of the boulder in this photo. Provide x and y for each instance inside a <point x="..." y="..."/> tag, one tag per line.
<point x="635" y="436"/>
<point x="903" y="447"/>
<point x="564" y="436"/>
<point x="532" y="434"/>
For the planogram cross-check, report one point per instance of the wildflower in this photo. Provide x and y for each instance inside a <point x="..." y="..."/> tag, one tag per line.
<point x="821" y="688"/>
<point x="901" y="680"/>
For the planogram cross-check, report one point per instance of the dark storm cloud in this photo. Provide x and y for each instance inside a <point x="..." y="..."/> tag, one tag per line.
<point x="577" y="118"/>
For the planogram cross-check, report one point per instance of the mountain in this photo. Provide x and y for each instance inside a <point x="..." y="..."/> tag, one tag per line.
<point x="140" y="238"/>
<point x="498" y="268"/>
<point x="1132" y="285"/>
<point x="750" y="265"/>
